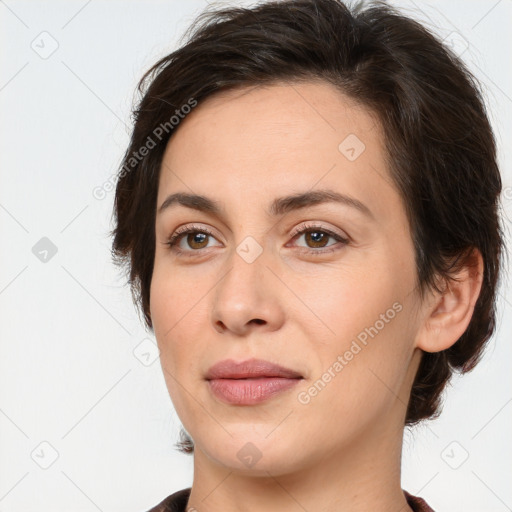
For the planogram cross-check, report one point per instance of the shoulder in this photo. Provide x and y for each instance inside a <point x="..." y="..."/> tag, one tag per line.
<point x="176" y="502"/>
<point x="417" y="504"/>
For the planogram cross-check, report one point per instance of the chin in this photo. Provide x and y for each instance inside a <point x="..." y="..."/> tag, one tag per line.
<point x="250" y="452"/>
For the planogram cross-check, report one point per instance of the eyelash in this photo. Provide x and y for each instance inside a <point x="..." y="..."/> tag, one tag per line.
<point x="174" y="240"/>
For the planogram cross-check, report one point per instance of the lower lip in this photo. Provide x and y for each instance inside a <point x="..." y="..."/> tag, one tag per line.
<point x="249" y="391"/>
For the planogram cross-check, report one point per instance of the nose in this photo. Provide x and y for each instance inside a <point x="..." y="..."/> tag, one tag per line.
<point x="247" y="297"/>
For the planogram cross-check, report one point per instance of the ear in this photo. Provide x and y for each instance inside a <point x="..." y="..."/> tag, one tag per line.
<point x="447" y="314"/>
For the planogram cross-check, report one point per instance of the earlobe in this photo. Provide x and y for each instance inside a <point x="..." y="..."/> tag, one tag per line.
<point x="448" y="313"/>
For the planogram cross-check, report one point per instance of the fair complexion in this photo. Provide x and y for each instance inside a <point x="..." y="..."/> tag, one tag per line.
<point x="341" y="451"/>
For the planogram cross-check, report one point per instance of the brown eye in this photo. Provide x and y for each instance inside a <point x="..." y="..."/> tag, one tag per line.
<point x="317" y="238"/>
<point x="196" y="239"/>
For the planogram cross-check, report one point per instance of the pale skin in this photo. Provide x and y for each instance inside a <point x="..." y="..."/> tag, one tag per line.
<point x="342" y="450"/>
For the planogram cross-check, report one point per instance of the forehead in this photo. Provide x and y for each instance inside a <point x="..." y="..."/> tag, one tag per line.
<point x="275" y="139"/>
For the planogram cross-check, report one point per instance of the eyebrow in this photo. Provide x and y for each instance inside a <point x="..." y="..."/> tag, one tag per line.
<point x="278" y="207"/>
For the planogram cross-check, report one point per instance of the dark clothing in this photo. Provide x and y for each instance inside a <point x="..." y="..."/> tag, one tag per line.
<point x="417" y="504"/>
<point x="177" y="502"/>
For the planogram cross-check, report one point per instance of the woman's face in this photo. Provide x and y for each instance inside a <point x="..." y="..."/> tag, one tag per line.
<point x="337" y="304"/>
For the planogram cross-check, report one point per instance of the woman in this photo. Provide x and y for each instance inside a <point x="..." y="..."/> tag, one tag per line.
<point x="308" y="214"/>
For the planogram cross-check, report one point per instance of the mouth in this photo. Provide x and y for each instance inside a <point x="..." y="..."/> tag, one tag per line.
<point x="249" y="382"/>
<point x="250" y="369"/>
<point x="250" y="391"/>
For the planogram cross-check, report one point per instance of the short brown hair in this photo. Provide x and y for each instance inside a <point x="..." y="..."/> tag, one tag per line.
<point x="441" y="150"/>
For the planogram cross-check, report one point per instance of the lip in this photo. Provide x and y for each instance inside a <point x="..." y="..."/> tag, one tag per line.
<point x="249" y="382"/>
<point x="251" y="368"/>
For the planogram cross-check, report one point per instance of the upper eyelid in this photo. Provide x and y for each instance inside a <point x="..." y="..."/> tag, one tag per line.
<point x="302" y="228"/>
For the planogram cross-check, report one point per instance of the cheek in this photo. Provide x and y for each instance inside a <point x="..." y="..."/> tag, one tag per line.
<point x="168" y="300"/>
<point x="171" y="295"/>
<point x="176" y="308"/>
<point x="169" y="317"/>
<point x="179" y="309"/>
<point x="365" y="316"/>
<point x="359" y="377"/>
<point x="349" y="300"/>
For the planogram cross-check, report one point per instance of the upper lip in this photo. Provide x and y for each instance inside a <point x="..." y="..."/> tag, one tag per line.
<point x="230" y="369"/>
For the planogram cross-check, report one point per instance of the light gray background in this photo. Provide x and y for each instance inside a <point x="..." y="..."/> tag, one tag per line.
<point x="71" y="385"/>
